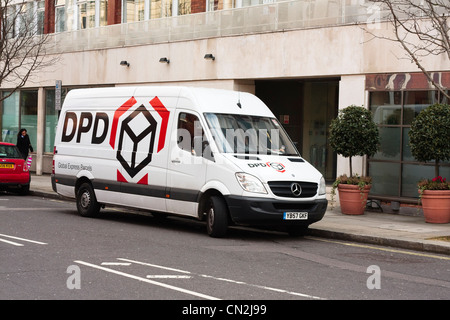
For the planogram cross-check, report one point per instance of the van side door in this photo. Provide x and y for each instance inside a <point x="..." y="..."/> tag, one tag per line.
<point x="187" y="163"/>
<point x="143" y="157"/>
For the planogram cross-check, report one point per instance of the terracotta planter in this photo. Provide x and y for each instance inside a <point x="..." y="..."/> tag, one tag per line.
<point x="436" y="206"/>
<point x="352" y="199"/>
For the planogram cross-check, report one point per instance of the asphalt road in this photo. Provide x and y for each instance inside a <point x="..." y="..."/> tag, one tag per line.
<point x="47" y="251"/>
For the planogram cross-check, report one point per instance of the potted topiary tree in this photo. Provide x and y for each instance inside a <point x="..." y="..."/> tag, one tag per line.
<point x="353" y="133"/>
<point x="429" y="139"/>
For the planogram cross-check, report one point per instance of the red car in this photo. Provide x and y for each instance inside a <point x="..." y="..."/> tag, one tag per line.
<point x="14" y="173"/>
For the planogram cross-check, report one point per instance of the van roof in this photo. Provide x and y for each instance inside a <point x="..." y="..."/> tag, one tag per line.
<point x="204" y="99"/>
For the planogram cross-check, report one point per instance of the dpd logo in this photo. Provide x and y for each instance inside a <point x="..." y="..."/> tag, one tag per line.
<point x="139" y="130"/>
<point x="135" y="131"/>
<point x="138" y="141"/>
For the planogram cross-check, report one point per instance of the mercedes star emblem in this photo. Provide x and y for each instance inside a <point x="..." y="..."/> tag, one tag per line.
<point x="296" y="189"/>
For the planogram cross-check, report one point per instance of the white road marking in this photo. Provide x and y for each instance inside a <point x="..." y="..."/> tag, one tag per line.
<point x="115" y="264"/>
<point x="167" y="276"/>
<point x="2" y="208"/>
<point x="193" y="293"/>
<point x="229" y="280"/>
<point x="22" y="239"/>
<point x="304" y="295"/>
<point x="153" y="265"/>
<point x="412" y="253"/>
<point x="13" y="243"/>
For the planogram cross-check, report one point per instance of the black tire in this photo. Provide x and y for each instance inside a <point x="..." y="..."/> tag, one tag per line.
<point x="24" y="190"/>
<point x="87" y="204"/>
<point x="217" y="217"/>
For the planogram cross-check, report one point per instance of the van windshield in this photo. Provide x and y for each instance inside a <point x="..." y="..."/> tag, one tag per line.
<point x="246" y="134"/>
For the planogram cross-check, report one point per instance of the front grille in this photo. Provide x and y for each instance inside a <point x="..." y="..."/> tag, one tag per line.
<point x="296" y="206"/>
<point x="283" y="189"/>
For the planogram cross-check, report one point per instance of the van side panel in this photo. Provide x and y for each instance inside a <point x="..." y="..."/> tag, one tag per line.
<point x="120" y="144"/>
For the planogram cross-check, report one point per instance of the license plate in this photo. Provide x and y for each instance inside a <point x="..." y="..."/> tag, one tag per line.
<point x="7" y="165"/>
<point x="295" y="216"/>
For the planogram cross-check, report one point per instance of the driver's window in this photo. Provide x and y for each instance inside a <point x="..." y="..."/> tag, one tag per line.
<point x="191" y="136"/>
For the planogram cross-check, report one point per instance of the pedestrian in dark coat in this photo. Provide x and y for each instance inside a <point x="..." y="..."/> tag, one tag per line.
<point x="23" y="143"/>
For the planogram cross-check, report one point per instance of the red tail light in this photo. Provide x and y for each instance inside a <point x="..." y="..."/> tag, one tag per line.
<point x="53" y="163"/>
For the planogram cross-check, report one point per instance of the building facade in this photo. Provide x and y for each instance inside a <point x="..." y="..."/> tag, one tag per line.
<point x="306" y="59"/>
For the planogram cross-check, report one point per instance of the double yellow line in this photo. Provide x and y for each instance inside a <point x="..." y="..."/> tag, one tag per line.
<point x="382" y="249"/>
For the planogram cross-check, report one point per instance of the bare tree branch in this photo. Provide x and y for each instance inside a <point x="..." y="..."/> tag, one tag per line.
<point x="421" y="27"/>
<point x="23" y="45"/>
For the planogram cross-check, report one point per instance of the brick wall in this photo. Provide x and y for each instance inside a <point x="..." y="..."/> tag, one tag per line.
<point x="198" y="6"/>
<point x="49" y="16"/>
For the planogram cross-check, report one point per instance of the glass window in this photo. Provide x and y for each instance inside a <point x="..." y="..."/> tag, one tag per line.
<point x="28" y="114"/>
<point x="411" y="174"/>
<point x="60" y="17"/>
<point x="65" y="15"/>
<point x="212" y="5"/>
<point x="10" y="21"/>
<point x="386" y="107"/>
<point x="10" y="152"/>
<point x="190" y="133"/>
<point x="184" y="7"/>
<point x="25" y="18"/>
<point x="103" y="19"/>
<point x="389" y="148"/>
<point x="10" y="118"/>
<point x="407" y="156"/>
<point x="40" y="17"/>
<point x="80" y="14"/>
<point x="133" y="10"/>
<point x="386" y="177"/>
<point x="416" y="101"/>
<point x="443" y="98"/>
<point x="394" y="112"/>
<point x="51" y="120"/>
<point x="160" y="8"/>
<point x="86" y="13"/>
<point x="249" y="134"/>
<point x="191" y="137"/>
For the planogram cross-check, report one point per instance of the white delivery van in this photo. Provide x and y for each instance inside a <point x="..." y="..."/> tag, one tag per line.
<point x="215" y="155"/>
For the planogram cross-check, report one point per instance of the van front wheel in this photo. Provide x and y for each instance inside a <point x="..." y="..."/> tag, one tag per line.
<point x="216" y="217"/>
<point x="87" y="204"/>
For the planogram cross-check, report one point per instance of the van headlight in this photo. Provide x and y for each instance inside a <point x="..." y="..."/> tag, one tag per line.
<point x="322" y="186"/>
<point x="250" y="183"/>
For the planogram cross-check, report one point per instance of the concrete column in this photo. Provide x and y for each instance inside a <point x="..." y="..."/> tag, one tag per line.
<point x="40" y="131"/>
<point x="351" y="92"/>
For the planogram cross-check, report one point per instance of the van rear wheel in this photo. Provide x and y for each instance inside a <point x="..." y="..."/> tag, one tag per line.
<point x="216" y="217"/>
<point x="87" y="204"/>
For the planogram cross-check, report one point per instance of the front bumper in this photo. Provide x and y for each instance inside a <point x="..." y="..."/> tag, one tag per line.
<point x="269" y="212"/>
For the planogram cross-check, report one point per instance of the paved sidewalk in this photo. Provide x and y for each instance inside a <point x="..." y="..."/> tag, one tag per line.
<point x="407" y="230"/>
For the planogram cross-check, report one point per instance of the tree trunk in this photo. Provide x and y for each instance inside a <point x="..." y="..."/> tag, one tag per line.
<point x="436" y="168"/>
<point x="350" y="161"/>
